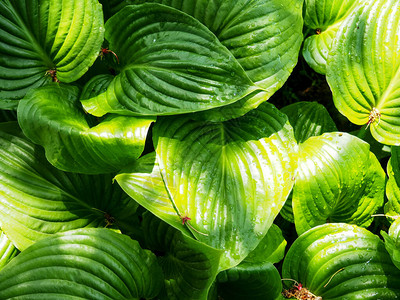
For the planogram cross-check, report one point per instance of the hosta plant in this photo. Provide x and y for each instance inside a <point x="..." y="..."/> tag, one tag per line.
<point x="186" y="150"/>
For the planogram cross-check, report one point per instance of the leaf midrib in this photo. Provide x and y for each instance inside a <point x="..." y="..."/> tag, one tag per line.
<point x="32" y="39"/>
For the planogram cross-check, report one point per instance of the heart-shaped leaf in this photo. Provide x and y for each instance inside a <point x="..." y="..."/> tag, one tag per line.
<point x="230" y="178"/>
<point x="308" y="119"/>
<point x="170" y="64"/>
<point x="82" y="264"/>
<point x="342" y="261"/>
<point x="263" y="35"/>
<point x="363" y="68"/>
<point x="250" y="281"/>
<point x="37" y="200"/>
<point x="392" y="207"/>
<point x="52" y="117"/>
<point x="41" y="41"/>
<point x="7" y="250"/>
<point x="189" y="267"/>
<point x="324" y="18"/>
<point x="339" y="180"/>
<point x="392" y="241"/>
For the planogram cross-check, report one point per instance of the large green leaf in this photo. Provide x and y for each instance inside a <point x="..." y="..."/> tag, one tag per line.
<point x="53" y="117"/>
<point x="7" y="250"/>
<point x="170" y="64"/>
<point x="308" y="119"/>
<point x="363" y="68"/>
<point x="230" y="178"/>
<point x="82" y="264"/>
<point x="392" y="242"/>
<point x="189" y="267"/>
<point x="37" y="200"/>
<point x="250" y="281"/>
<point x="324" y="17"/>
<point x="263" y="35"/>
<point x="392" y="207"/>
<point x="40" y="36"/>
<point x="338" y="180"/>
<point x="342" y="261"/>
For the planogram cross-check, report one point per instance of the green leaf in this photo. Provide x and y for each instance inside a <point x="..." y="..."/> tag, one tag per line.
<point x="342" y="261"/>
<point x="230" y="178"/>
<point x="96" y="85"/>
<point x="7" y="250"/>
<point x="38" y="36"/>
<point x="250" y="281"/>
<point x="82" y="264"/>
<point x="52" y="117"/>
<point x="270" y="249"/>
<point x="263" y="35"/>
<point x="392" y="242"/>
<point x="189" y="266"/>
<point x="170" y="64"/>
<point x="324" y="17"/>
<point x="38" y="200"/>
<point x="363" y="69"/>
<point x="392" y="207"/>
<point x="338" y="180"/>
<point x="308" y="119"/>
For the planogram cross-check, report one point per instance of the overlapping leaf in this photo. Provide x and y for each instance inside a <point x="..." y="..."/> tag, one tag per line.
<point x="324" y="17"/>
<point x="250" y="281"/>
<point x="308" y="119"/>
<point x="37" y="200"/>
<point x="363" y="69"/>
<point x="52" y="117"/>
<point x="338" y="180"/>
<point x="392" y="242"/>
<point x="189" y="266"/>
<point x="263" y="35"/>
<point x="342" y="261"/>
<point x="392" y="207"/>
<point x="171" y="64"/>
<point x="7" y="250"/>
<point x="82" y="264"/>
<point x="231" y="178"/>
<point x="40" y="39"/>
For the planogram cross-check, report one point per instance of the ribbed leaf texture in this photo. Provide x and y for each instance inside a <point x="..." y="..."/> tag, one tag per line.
<point x="392" y="241"/>
<point x="38" y="200"/>
<point x="392" y="207"/>
<point x="7" y="250"/>
<point x="324" y="18"/>
<point x="342" y="261"/>
<point x="363" y="69"/>
<point x="42" y="40"/>
<point x="170" y="64"/>
<point x="82" y="264"/>
<point x="338" y="180"/>
<point x="53" y="117"/>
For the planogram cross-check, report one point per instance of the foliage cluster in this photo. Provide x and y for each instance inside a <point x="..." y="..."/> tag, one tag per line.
<point x="140" y="157"/>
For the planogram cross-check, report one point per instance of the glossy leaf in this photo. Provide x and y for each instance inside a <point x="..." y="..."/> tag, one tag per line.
<point x="324" y="18"/>
<point x="392" y="242"/>
<point x="170" y="64"/>
<point x="270" y="249"/>
<point x="342" y="261"/>
<point x="38" y="200"/>
<point x="338" y="180"/>
<point x="52" y="117"/>
<point x="363" y="69"/>
<point x="263" y="35"/>
<point x="230" y="178"/>
<point x="42" y="39"/>
<point x="392" y="207"/>
<point x="189" y="266"/>
<point x="82" y="264"/>
<point x="250" y="281"/>
<point x="308" y="119"/>
<point x="7" y="250"/>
